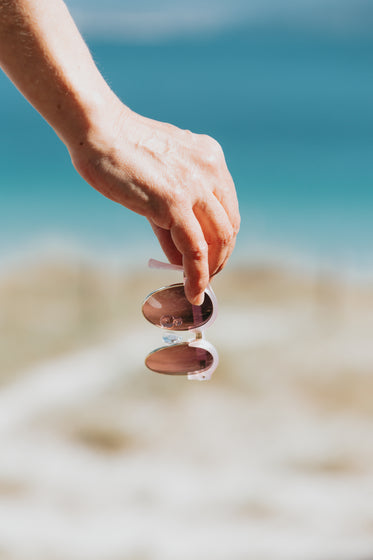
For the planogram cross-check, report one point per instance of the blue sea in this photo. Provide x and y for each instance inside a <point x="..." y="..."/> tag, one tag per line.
<point x="293" y="111"/>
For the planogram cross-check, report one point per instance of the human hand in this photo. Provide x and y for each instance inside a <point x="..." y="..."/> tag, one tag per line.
<point x="178" y="180"/>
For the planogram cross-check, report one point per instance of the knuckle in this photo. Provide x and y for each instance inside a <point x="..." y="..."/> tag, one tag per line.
<point x="236" y="225"/>
<point x="198" y="252"/>
<point x="213" y="144"/>
<point x="213" y="150"/>
<point x="160" y="214"/>
<point x="224" y="238"/>
<point x="177" y="198"/>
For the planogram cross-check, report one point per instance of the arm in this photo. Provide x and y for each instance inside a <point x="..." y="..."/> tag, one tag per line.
<point x="177" y="180"/>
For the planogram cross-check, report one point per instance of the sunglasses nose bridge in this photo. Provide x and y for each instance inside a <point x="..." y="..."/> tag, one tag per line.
<point x="171" y="338"/>
<point x="198" y="334"/>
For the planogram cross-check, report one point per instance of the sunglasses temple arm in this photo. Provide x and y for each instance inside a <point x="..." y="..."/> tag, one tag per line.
<point x="153" y="263"/>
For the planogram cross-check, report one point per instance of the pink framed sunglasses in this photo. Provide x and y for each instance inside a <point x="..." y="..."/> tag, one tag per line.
<point x="169" y="309"/>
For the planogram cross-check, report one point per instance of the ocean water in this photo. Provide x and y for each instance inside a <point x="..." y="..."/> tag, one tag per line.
<point x="292" y="110"/>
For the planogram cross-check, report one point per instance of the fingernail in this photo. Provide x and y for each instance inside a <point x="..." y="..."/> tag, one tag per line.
<point x="198" y="300"/>
<point x="193" y="299"/>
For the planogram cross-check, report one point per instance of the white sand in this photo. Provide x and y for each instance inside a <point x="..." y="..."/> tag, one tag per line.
<point x="101" y="460"/>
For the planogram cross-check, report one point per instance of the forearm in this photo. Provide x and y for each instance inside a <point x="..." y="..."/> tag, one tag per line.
<point x="43" y="53"/>
<point x="177" y="179"/>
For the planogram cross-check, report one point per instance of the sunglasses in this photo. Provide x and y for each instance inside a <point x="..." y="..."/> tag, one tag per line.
<point x="169" y="309"/>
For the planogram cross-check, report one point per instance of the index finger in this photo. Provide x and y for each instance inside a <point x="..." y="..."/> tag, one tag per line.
<point x="189" y="239"/>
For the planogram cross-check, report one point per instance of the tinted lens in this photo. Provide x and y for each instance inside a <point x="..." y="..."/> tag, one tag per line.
<point x="179" y="359"/>
<point x="169" y="308"/>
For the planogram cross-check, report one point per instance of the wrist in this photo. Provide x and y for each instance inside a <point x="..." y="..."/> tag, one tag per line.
<point x="92" y="135"/>
<point x="81" y="115"/>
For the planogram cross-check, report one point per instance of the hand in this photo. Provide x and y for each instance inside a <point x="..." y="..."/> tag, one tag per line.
<point x="177" y="179"/>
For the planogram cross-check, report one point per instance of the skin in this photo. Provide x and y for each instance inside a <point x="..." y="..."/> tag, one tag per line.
<point x="178" y="180"/>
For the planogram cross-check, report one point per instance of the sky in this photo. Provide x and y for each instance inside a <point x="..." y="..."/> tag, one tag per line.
<point x="157" y="19"/>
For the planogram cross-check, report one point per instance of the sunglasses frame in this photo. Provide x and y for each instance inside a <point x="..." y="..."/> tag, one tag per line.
<point x="198" y="341"/>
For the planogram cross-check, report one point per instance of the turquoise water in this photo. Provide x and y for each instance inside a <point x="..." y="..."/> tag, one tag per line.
<point x="293" y="112"/>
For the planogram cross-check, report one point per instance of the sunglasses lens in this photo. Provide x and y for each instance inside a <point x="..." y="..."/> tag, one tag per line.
<point x="169" y="308"/>
<point x="179" y="359"/>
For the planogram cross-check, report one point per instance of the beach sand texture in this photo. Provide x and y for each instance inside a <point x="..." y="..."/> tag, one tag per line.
<point x="101" y="459"/>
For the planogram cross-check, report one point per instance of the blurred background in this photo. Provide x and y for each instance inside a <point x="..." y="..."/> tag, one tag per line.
<point x="273" y="458"/>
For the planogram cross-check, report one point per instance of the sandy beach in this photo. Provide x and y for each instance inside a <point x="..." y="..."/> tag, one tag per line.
<point x="272" y="458"/>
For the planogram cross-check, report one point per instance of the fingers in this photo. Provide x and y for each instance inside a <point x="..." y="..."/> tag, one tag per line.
<point x="227" y="197"/>
<point x="221" y="182"/>
<point x="226" y="194"/>
<point x="202" y="239"/>
<point x="189" y="240"/>
<point x="230" y="204"/>
<point x="217" y="230"/>
<point x="167" y="244"/>
<point x="195" y="212"/>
